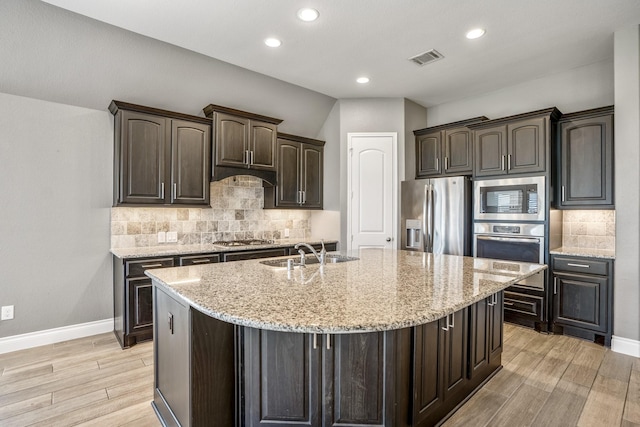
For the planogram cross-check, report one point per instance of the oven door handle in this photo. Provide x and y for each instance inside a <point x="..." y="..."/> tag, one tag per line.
<point x="510" y="239"/>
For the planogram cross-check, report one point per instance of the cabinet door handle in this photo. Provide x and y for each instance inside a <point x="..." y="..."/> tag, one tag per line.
<point x="201" y="261"/>
<point x="578" y="265"/>
<point x="555" y="285"/>
<point x="151" y="265"/>
<point x="509" y="162"/>
<point x="446" y="163"/>
<point x="508" y="303"/>
<point x="251" y="157"/>
<point x="175" y="191"/>
<point x="562" y="191"/>
<point x="328" y="341"/>
<point x="246" y="157"/>
<point x="453" y="319"/>
<point x="171" y="323"/>
<point x="315" y="341"/>
<point x="437" y="163"/>
<point x="162" y="189"/>
<point x="304" y="197"/>
<point x="446" y="328"/>
<point x="502" y="163"/>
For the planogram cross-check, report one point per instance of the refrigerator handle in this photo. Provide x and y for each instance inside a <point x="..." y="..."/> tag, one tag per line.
<point x="429" y="217"/>
<point x="425" y="230"/>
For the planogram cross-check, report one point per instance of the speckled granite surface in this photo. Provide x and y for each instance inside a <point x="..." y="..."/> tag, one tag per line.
<point x="586" y="252"/>
<point x="383" y="290"/>
<point x="171" y="249"/>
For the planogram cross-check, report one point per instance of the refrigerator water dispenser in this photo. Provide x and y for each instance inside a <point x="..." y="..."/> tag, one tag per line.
<point x="413" y="230"/>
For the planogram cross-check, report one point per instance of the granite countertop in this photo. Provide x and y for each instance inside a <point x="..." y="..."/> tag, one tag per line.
<point x="176" y="249"/>
<point x="585" y="252"/>
<point x="383" y="290"/>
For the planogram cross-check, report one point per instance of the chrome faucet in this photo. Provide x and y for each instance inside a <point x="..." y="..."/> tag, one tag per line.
<point x="320" y="256"/>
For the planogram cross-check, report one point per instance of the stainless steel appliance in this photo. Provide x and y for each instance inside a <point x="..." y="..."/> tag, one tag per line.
<point x="510" y="199"/>
<point x="435" y="215"/>
<point x="512" y="242"/>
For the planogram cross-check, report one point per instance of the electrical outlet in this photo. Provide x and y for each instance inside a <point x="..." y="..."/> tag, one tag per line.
<point x="286" y="232"/>
<point x="172" y="236"/>
<point x="7" y="312"/>
<point x="162" y="237"/>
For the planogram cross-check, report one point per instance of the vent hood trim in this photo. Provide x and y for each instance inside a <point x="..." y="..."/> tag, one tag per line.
<point x="222" y="172"/>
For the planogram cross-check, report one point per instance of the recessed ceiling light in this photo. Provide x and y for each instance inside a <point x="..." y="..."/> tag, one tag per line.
<point x="272" y="42"/>
<point x="362" y="80"/>
<point x="475" y="33"/>
<point x="307" y="14"/>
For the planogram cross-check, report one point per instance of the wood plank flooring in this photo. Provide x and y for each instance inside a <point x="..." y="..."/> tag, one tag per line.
<point x="546" y="380"/>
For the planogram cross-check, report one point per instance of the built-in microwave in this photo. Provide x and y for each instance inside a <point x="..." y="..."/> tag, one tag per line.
<point x="510" y="199"/>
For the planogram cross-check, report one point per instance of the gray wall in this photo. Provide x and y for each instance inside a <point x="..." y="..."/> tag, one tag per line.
<point x="56" y="174"/>
<point x="627" y="179"/>
<point x="56" y="55"/>
<point x="578" y="89"/>
<point x="415" y="117"/>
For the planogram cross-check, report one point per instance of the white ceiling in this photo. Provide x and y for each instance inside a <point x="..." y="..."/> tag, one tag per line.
<point x="524" y="40"/>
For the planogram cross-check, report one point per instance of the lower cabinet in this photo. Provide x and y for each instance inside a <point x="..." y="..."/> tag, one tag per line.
<point x="207" y="369"/>
<point x="582" y="297"/>
<point x="317" y="380"/>
<point x="195" y="366"/>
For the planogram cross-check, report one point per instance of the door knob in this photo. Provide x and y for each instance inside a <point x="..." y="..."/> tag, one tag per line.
<point x="388" y="239"/>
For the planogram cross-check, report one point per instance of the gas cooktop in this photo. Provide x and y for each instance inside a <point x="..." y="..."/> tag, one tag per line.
<point x="248" y="242"/>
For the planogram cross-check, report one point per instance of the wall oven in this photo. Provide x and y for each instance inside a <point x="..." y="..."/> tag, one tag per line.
<point x="510" y="199"/>
<point x="512" y="242"/>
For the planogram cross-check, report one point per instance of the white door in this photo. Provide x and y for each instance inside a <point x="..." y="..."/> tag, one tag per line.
<point x="372" y="184"/>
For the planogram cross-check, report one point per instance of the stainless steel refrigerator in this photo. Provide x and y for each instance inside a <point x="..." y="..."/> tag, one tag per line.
<point x="435" y="215"/>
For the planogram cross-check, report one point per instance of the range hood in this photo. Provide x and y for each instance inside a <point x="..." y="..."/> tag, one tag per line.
<point x="243" y="143"/>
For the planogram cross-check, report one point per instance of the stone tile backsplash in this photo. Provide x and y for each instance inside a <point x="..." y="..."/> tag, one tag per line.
<point x="236" y="213"/>
<point x="589" y="229"/>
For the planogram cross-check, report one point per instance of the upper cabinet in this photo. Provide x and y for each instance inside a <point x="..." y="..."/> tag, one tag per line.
<point x="445" y="149"/>
<point x="515" y="145"/>
<point x="161" y="157"/>
<point x="243" y="141"/>
<point x="586" y="160"/>
<point x="299" y="176"/>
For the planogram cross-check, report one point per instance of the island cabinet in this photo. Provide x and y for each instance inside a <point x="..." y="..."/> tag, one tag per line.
<point x="582" y="297"/>
<point x="445" y="149"/>
<point x="518" y="144"/>
<point x="300" y="174"/>
<point x="243" y="140"/>
<point x="161" y="157"/>
<point x="317" y="380"/>
<point x="586" y="160"/>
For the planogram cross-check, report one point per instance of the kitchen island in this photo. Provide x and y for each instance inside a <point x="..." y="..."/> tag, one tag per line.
<point x="394" y="338"/>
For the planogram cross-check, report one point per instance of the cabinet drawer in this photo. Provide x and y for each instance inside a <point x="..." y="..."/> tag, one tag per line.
<point x="136" y="268"/>
<point x="524" y="304"/>
<point x="239" y="256"/>
<point x="198" y="259"/>
<point x="581" y="265"/>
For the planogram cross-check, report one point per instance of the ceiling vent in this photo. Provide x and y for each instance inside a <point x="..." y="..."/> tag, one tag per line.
<point x="427" y="57"/>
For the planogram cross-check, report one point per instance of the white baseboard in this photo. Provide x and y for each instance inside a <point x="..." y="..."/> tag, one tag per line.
<point x="52" y="336"/>
<point x="625" y="346"/>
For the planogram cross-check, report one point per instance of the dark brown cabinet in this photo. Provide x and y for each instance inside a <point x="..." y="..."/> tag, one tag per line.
<point x="486" y="336"/>
<point x="243" y="140"/>
<point x="586" y="160"/>
<point x="440" y="367"/>
<point x="195" y="376"/>
<point x="582" y="297"/>
<point x="515" y="145"/>
<point x="132" y="300"/>
<point x="161" y="157"/>
<point x="300" y="174"/>
<point x="445" y="149"/>
<point x="308" y="379"/>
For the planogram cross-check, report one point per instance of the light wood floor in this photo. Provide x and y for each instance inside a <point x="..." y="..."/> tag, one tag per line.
<point x="546" y="381"/>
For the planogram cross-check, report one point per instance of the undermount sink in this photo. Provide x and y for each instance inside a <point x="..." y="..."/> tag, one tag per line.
<point x="309" y="259"/>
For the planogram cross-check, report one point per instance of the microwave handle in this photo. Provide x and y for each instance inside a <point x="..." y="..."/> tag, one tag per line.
<point x="510" y="239"/>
